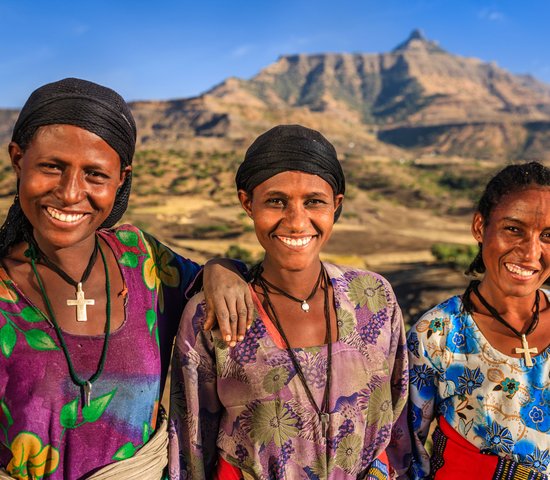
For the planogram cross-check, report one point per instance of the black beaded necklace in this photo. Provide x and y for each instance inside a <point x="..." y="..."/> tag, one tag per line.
<point x="304" y="303"/>
<point x="522" y="336"/>
<point x="323" y="411"/>
<point x="81" y="301"/>
<point x="85" y="385"/>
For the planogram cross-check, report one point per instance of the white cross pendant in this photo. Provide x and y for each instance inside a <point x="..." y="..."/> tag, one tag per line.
<point x="80" y="303"/>
<point x="526" y="351"/>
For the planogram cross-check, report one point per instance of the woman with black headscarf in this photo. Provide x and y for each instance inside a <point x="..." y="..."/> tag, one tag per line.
<point x="317" y="387"/>
<point x="88" y="311"/>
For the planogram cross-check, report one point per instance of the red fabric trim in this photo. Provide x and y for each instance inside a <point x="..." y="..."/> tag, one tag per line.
<point x="271" y="329"/>
<point x="226" y="471"/>
<point x="462" y="459"/>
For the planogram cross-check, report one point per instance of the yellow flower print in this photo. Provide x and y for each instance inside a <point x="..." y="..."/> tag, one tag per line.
<point x="30" y="459"/>
<point x="7" y="293"/>
<point x="157" y="270"/>
<point x="367" y="290"/>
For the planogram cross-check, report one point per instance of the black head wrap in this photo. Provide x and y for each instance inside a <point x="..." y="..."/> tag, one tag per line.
<point x="291" y="147"/>
<point x="84" y="104"/>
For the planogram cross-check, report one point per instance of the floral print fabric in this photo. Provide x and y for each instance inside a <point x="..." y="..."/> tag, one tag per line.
<point x="248" y="405"/>
<point x="494" y="401"/>
<point x="45" y="431"/>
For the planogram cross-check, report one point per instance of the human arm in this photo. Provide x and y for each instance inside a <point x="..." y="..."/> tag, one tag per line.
<point x="400" y="446"/>
<point x="228" y="299"/>
<point x="195" y="409"/>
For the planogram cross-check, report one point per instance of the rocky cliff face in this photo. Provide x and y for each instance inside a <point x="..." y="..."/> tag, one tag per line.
<point x="418" y="96"/>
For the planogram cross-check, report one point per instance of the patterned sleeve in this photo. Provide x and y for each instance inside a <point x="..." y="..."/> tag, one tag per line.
<point x="422" y="394"/>
<point x="398" y="448"/>
<point x="169" y="275"/>
<point x="195" y="408"/>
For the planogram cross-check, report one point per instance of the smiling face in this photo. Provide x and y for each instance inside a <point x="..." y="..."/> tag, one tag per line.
<point x="516" y="243"/>
<point x="293" y="215"/>
<point x="68" y="180"/>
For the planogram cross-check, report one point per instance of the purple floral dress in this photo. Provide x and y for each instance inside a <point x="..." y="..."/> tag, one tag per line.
<point x="45" y="432"/>
<point x="248" y="405"/>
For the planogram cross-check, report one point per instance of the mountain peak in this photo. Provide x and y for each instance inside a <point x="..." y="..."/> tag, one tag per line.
<point x="417" y="41"/>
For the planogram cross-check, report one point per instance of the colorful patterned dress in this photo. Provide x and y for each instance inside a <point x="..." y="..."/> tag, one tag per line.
<point x="248" y="405"/>
<point x="494" y="401"/>
<point x="45" y="432"/>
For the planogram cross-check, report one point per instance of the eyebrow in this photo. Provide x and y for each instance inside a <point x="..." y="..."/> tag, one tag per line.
<point x="285" y="194"/>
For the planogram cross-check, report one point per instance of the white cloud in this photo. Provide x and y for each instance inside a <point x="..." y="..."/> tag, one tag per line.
<point x="242" y="51"/>
<point x="491" y="15"/>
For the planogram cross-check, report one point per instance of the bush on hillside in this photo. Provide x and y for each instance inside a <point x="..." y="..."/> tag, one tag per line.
<point x="457" y="256"/>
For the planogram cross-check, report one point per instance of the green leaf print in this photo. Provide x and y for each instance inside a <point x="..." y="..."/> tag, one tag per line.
<point x="129" y="259"/>
<point x="31" y="314"/>
<point x="6" y="413"/>
<point x="69" y="414"/>
<point x="126" y="451"/>
<point x="151" y="319"/>
<point x="97" y="406"/>
<point x="8" y="338"/>
<point x="40" y="340"/>
<point x="157" y="336"/>
<point x="129" y="239"/>
<point x="146" y="433"/>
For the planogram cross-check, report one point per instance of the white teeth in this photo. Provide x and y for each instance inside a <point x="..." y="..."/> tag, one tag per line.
<point x="64" y="217"/>
<point x="518" y="270"/>
<point x="296" y="242"/>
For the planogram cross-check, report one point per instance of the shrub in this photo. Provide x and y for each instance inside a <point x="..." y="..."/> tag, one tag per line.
<point x="457" y="256"/>
<point x="240" y="253"/>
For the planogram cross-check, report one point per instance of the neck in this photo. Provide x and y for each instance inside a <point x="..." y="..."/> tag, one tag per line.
<point x="72" y="259"/>
<point x="296" y="282"/>
<point x="515" y="309"/>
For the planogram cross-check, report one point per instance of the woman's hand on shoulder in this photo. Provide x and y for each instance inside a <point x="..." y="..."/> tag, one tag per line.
<point x="228" y="300"/>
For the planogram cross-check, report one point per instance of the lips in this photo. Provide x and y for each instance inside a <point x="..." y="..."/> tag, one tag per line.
<point x="295" y="242"/>
<point x="518" y="270"/>
<point x="64" y="216"/>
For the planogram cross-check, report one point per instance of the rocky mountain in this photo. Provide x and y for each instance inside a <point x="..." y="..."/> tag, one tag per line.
<point x="418" y="96"/>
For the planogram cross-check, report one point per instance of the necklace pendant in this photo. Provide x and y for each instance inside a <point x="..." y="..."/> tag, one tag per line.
<point x="80" y="303"/>
<point x="526" y="351"/>
<point x="305" y="306"/>
<point x="87" y="391"/>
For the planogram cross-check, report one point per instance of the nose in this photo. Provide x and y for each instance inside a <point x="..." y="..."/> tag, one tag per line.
<point x="71" y="188"/>
<point x="296" y="217"/>
<point x="531" y="247"/>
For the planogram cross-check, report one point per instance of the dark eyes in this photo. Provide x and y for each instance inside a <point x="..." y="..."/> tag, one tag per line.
<point x="280" y="202"/>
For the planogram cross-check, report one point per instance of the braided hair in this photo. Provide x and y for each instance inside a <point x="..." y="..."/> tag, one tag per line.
<point x="87" y="105"/>
<point x="510" y="179"/>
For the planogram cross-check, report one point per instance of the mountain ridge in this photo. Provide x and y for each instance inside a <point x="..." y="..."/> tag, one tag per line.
<point x="416" y="97"/>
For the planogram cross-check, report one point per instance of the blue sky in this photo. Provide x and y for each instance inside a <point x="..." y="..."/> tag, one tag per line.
<point x="172" y="49"/>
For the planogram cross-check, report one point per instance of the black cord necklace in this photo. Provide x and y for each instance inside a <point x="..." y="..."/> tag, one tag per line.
<point x="525" y="350"/>
<point x="85" y="385"/>
<point x="305" y="305"/>
<point x="322" y="412"/>
<point x="81" y="301"/>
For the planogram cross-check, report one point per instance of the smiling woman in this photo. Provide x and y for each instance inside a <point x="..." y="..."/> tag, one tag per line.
<point x="480" y="362"/>
<point x="88" y="311"/>
<point x="317" y="387"/>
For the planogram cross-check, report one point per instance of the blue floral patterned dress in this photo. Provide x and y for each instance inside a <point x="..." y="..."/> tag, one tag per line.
<point x="494" y="401"/>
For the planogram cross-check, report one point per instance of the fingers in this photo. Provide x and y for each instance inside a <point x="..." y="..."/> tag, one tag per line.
<point x="250" y="309"/>
<point x="242" y="319"/>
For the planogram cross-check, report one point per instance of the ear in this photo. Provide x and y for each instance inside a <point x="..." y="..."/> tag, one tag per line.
<point x="124" y="174"/>
<point x="16" y="154"/>
<point x="478" y="227"/>
<point x="338" y="200"/>
<point x="246" y="202"/>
